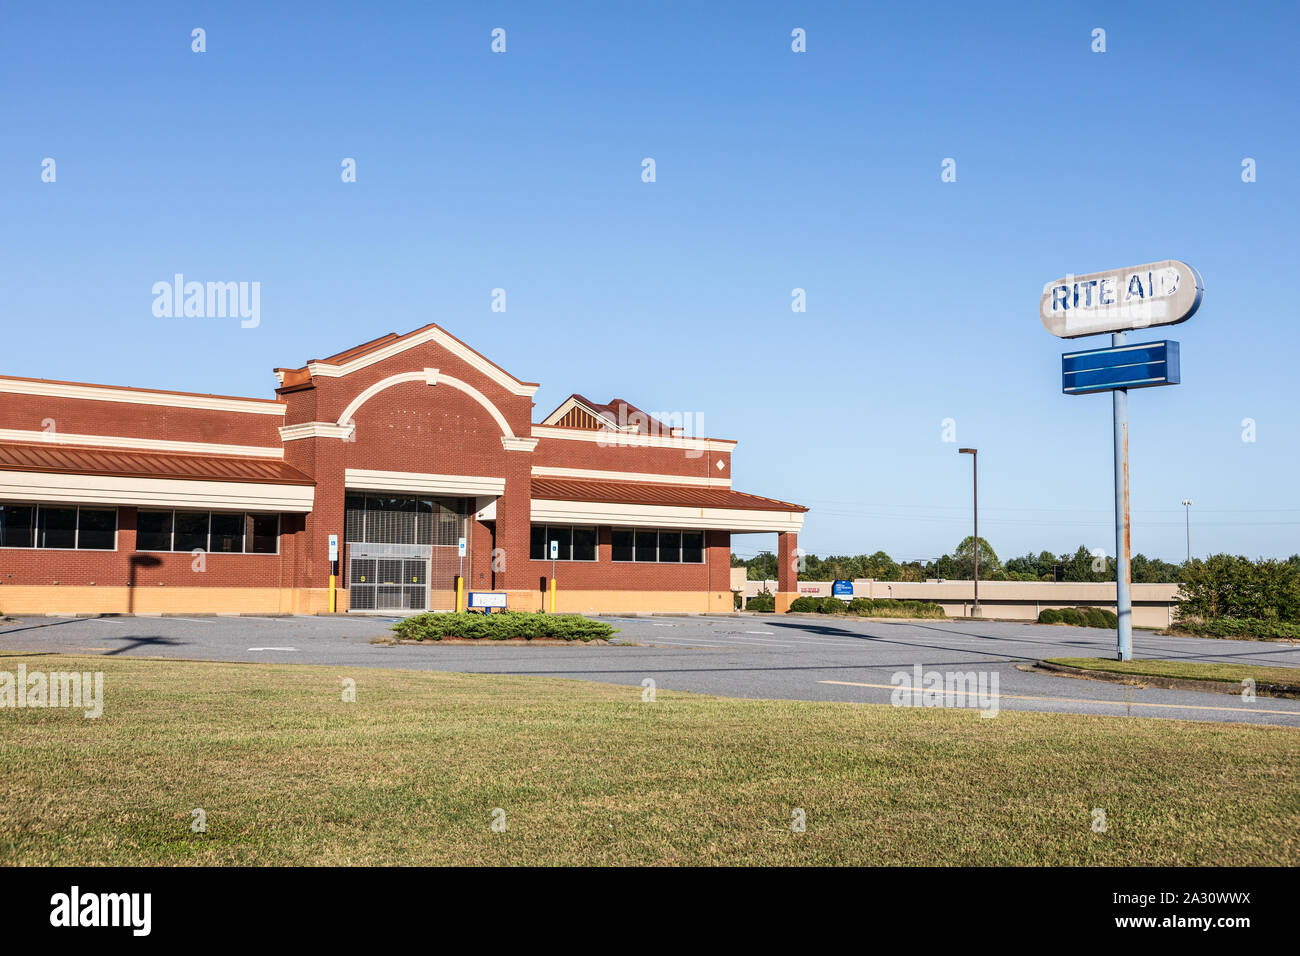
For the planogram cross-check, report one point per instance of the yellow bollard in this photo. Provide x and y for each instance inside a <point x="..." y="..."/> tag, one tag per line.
<point x="460" y="594"/>
<point x="552" y="595"/>
<point x="333" y="596"/>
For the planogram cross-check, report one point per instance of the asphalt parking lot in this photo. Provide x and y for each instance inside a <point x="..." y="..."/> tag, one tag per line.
<point x="796" y="658"/>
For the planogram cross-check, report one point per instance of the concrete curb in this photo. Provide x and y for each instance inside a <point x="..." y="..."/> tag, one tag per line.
<point x="1167" y="683"/>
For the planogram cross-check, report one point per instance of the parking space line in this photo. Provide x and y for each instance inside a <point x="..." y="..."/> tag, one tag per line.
<point x="744" y="642"/>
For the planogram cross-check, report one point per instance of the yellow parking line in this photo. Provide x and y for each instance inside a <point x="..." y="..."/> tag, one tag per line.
<point x="1080" y="700"/>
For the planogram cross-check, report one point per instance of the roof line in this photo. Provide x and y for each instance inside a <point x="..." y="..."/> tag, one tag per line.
<point x="136" y="388"/>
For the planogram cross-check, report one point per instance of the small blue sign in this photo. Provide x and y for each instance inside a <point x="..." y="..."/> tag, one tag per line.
<point x="842" y="589"/>
<point x="486" y="601"/>
<point x="1124" y="366"/>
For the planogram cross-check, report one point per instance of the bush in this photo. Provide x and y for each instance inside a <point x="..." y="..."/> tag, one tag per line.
<point x="863" y="607"/>
<point x="1243" y="627"/>
<point x="501" y="627"/>
<point x="1079" y="617"/>
<point x="763" y="601"/>
<point x="830" y="605"/>
<point x="1095" y="617"/>
<point x="739" y="600"/>
<point x="887" y="607"/>
<point x="1224" y="586"/>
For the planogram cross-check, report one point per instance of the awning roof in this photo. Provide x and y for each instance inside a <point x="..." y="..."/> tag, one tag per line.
<point x="68" y="459"/>
<point x="649" y="493"/>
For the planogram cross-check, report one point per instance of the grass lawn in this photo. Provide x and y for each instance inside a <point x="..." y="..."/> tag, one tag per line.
<point x="588" y="774"/>
<point x="1188" y="670"/>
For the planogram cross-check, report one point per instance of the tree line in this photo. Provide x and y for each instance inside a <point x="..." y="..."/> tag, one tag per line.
<point x="1082" y="565"/>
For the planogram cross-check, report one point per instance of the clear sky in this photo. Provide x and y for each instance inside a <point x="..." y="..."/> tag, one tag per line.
<point x="775" y="170"/>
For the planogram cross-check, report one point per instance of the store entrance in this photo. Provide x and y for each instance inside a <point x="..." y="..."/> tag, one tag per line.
<point x="403" y="551"/>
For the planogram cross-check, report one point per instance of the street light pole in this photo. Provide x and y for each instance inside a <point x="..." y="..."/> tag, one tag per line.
<point x="975" y="486"/>
<point x="1187" y="510"/>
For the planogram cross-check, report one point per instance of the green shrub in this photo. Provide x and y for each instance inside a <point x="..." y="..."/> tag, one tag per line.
<point x="805" y="604"/>
<point x="830" y="605"/>
<point x="1079" y="617"/>
<point x="1094" y="617"/>
<point x="501" y="627"/>
<point x="739" y="600"/>
<point x="762" y="601"/>
<point x="1228" y="586"/>
<point x="887" y="607"/>
<point x="1242" y="627"/>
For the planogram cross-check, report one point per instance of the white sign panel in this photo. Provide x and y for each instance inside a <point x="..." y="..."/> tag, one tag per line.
<point x="334" y="547"/>
<point x="555" y="550"/>
<point x="486" y="599"/>
<point x="1158" y="293"/>
<point x="460" y="547"/>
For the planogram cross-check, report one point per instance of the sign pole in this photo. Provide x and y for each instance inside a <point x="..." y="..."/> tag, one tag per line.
<point x="1123" y="601"/>
<point x="1156" y="293"/>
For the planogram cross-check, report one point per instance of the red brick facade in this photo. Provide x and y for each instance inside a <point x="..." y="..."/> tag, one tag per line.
<point x="371" y="410"/>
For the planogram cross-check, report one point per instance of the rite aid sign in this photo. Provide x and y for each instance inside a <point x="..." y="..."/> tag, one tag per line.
<point x="1158" y="293"/>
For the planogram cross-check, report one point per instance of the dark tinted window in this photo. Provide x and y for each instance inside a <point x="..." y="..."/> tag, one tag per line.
<point x="621" y="545"/>
<point x="153" y="531"/>
<point x="264" y="532"/>
<point x="584" y="544"/>
<point x="56" y="528"/>
<point x="537" y="542"/>
<point x="191" y="531"/>
<point x="96" y="529"/>
<point x="645" y="545"/>
<point x="670" y="546"/>
<point x="17" y="526"/>
<point x="693" y="546"/>
<point x="227" y="533"/>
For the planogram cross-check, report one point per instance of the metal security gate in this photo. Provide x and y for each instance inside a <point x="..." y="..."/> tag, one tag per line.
<point x="388" y="577"/>
<point x="402" y="551"/>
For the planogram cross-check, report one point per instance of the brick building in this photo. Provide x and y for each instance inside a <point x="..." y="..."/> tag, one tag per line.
<point x="130" y="500"/>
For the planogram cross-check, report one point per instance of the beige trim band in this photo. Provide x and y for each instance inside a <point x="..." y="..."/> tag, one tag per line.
<point x="315" y="430"/>
<point x="364" y="479"/>
<point x="103" y="393"/>
<point x="664" y="516"/>
<point x="628" y="439"/>
<point x="593" y="474"/>
<point x="144" y="444"/>
<point x="518" y="444"/>
<point x="164" y="492"/>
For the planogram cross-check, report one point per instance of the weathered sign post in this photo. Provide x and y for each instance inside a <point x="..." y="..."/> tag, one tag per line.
<point x="1158" y="293"/>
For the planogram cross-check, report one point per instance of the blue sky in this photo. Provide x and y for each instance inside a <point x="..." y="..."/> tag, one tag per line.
<point x="775" y="170"/>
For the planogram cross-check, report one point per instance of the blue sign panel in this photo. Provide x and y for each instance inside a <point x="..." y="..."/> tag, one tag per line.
<point x="487" y="600"/>
<point x="842" y="589"/>
<point x="1123" y="366"/>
